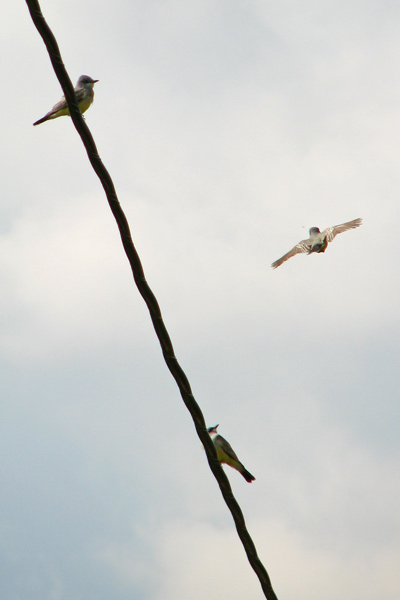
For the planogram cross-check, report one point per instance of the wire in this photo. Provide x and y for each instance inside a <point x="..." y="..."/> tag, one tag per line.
<point x="148" y="296"/>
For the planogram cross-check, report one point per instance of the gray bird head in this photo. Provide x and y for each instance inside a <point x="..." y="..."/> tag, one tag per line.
<point x="314" y="231"/>
<point x="213" y="429"/>
<point x="86" y="80"/>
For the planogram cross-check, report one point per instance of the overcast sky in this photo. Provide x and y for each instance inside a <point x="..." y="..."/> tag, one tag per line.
<point x="229" y="128"/>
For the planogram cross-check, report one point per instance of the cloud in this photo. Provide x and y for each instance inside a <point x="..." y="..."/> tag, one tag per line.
<point x="229" y="130"/>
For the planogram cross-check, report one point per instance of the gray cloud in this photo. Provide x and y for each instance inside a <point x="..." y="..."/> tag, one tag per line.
<point x="229" y="129"/>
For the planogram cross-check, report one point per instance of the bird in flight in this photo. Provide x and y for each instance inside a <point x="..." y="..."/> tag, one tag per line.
<point x="226" y="454"/>
<point x="318" y="241"/>
<point x="84" y="95"/>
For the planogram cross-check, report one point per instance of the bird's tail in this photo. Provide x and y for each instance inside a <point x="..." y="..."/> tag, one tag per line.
<point x="248" y="476"/>
<point x="42" y="120"/>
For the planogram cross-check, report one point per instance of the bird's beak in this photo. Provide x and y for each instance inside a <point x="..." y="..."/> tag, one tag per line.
<point x="96" y="80"/>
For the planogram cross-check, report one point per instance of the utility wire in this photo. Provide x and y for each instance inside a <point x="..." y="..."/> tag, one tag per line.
<point x="148" y="296"/>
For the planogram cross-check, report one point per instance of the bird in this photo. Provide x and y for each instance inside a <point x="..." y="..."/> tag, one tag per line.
<point x="84" y="95"/>
<point x="226" y="454"/>
<point x="318" y="240"/>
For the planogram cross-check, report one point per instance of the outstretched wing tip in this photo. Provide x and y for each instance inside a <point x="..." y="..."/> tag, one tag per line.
<point x="301" y="247"/>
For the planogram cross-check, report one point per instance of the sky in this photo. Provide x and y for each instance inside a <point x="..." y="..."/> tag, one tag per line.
<point x="229" y="128"/>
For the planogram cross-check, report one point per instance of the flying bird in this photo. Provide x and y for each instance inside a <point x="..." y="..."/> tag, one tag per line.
<point x="84" y="95"/>
<point x="318" y="241"/>
<point x="225" y="453"/>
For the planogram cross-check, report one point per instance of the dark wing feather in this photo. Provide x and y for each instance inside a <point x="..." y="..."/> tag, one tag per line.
<point x="227" y="448"/>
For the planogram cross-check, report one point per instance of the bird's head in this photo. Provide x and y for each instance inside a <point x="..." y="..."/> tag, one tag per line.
<point x="213" y="430"/>
<point x="86" y="80"/>
<point x="314" y="231"/>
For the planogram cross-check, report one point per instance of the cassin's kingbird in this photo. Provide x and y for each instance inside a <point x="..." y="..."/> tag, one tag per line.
<point x="84" y="95"/>
<point x="225" y="453"/>
<point x="318" y="241"/>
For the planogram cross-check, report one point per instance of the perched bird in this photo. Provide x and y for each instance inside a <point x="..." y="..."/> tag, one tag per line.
<point x="318" y="241"/>
<point x="84" y="95"/>
<point x="225" y="453"/>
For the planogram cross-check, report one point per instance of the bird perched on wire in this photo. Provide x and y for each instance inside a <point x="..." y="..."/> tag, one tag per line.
<point x="318" y="241"/>
<point x="226" y="454"/>
<point x="84" y="95"/>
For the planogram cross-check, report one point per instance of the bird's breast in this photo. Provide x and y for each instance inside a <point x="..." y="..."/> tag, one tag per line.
<point x="319" y="245"/>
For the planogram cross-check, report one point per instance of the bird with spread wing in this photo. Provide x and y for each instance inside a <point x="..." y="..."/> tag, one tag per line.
<point x="318" y="241"/>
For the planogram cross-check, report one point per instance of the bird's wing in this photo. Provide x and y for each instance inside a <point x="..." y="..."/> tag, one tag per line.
<point x="227" y="448"/>
<point x="62" y="104"/>
<point x="59" y="106"/>
<point x="331" y="232"/>
<point x="302" y="247"/>
<point x="80" y="93"/>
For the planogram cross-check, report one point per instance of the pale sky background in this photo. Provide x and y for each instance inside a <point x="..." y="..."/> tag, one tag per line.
<point x="229" y="129"/>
